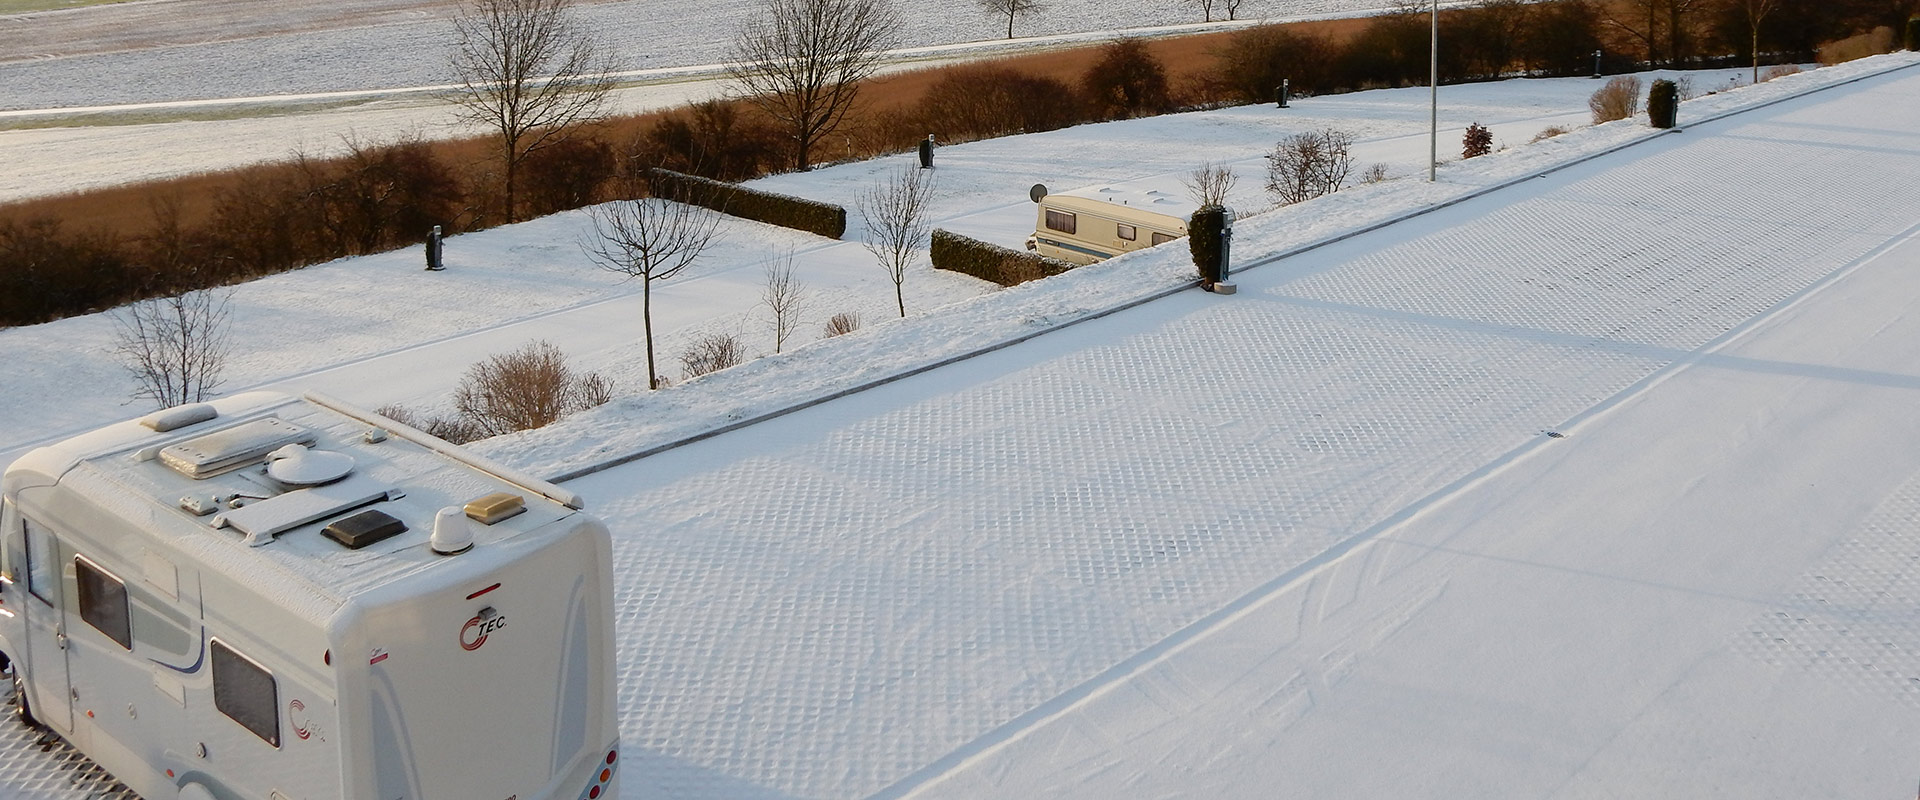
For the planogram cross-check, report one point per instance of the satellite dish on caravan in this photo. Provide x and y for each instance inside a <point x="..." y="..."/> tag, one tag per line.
<point x="1038" y="192"/>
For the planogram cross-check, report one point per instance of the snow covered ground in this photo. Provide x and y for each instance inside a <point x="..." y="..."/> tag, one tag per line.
<point x="1311" y="535"/>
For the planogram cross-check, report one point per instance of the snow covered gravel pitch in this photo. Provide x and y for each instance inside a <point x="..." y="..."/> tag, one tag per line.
<point x="991" y="579"/>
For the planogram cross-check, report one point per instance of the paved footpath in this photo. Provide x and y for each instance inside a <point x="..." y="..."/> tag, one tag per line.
<point x="1321" y="539"/>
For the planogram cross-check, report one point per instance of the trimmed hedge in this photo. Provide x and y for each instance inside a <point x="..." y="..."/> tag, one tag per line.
<point x="991" y="262"/>
<point x="1207" y="242"/>
<point x="1913" y="33"/>
<point x="812" y="216"/>
<point x="1663" y="103"/>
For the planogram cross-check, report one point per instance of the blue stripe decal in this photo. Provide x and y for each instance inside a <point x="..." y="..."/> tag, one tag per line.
<point x="197" y="661"/>
<point x="1075" y="248"/>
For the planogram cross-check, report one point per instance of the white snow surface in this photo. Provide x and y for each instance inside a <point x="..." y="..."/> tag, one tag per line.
<point x="1313" y="535"/>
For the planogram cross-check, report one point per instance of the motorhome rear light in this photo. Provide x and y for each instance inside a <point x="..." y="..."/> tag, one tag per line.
<point x="327" y="657"/>
<point x="610" y="755"/>
<point x="593" y="792"/>
<point x="495" y="507"/>
<point x="483" y="591"/>
<point x="364" y="528"/>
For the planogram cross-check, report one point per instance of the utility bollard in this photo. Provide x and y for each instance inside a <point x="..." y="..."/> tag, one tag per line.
<point x="926" y="153"/>
<point x="1283" y="92"/>
<point x="433" y="251"/>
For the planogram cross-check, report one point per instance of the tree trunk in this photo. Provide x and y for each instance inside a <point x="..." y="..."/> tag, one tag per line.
<point x="512" y="167"/>
<point x="646" y="320"/>
<point x="1009" y="23"/>
<point x="900" y="296"/>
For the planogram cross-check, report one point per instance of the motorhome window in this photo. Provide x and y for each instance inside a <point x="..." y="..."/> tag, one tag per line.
<point x="103" y="602"/>
<point x="1126" y="232"/>
<point x="42" y="575"/>
<point x="245" y="692"/>
<point x="1063" y="221"/>
<point x="1161" y="238"/>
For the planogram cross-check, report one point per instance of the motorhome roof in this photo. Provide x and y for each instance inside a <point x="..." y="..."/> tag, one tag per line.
<point x="1152" y="200"/>
<point x="122" y="468"/>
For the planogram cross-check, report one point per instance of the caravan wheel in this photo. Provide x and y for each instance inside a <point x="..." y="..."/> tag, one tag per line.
<point x="20" y="701"/>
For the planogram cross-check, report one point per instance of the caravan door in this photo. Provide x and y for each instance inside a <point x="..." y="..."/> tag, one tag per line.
<point x="48" y="690"/>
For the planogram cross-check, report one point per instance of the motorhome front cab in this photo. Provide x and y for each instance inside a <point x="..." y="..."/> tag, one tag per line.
<point x="1097" y="224"/>
<point x="275" y="598"/>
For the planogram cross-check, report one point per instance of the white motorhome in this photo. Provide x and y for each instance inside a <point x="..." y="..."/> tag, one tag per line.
<point x="1088" y="225"/>
<point x="279" y="598"/>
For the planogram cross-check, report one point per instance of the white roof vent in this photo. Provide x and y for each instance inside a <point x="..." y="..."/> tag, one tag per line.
<point x="451" y="533"/>
<point x="298" y="465"/>
<point x="178" y="417"/>
<point x="206" y="456"/>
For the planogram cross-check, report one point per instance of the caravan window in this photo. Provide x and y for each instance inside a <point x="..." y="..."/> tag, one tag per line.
<point x="1126" y="232"/>
<point x="244" y="691"/>
<point x="1063" y="221"/>
<point x="1161" y="238"/>
<point x="42" y="569"/>
<point x="103" y="601"/>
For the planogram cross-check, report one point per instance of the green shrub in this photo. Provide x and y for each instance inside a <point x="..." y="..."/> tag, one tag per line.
<point x="1207" y="241"/>
<point x="990" y="262"/>
<point x="812" y="216"/>
<point x="1663" y="103"/>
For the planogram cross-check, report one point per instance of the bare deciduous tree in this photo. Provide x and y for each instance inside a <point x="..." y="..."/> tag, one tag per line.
<point x="785" y="295"/>
<point x="525" y="389"/>
<point x="1210" y="184"/>
<point x="651" y="239"/>
<point x="175" y="347"/>
<point x="896" y="213"/>
<point x="1307" y="165"/>
<point x="1756" y="12"/>
<point x="529" y="74"/>
<point x="1233" y="8"/>
<point x="801" y="61"/>
<point x="1010" y="9"/>
<point x="1206" y="9"/>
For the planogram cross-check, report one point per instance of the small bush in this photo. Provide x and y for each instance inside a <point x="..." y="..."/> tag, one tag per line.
<point x="1663" y="104"/>
<point x="455" y="429"/>
<point x="1254" y="61"/>
<point x="711" y="353"/>
<point x="1873" y="43"/>
<point x="1127" y="81"/>
<point x="1478" y="141"/>
<point x="1307" y="165"/>
<point x="1547" y="133"/>
<point x="525" y="389"/>
<point x="1777" y="71"/>
<point x="812" y="216"/>
<point x="1210" y="184"/>
<point x="842" y="323"/>
<point x="1374" y="174"/>
<point x="1619" y="99"/>
<point x="990" y="262"/>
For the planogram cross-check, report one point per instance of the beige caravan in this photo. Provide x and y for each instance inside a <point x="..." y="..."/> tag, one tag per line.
<point x="1096" y="224"/>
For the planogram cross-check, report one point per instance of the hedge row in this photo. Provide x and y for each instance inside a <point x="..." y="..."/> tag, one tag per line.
<point x="991" y="262"/>
<point x="812" y="216"/>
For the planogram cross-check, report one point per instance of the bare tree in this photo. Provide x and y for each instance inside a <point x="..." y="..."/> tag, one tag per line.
<point x="896" y="215"/>
<point x="1206" y="9"/>
<point x="784" y="294"/>
<point x="527" y="72"/>
<point x="652" y="239"/>
<point x="802" y="61"/>
<point x="1307" y="165"/>
<point x="1210" y="184"/>
<point x="1233" y="8"/>
<point x="1011" y="9"/>
<point x="1757" y="11"/>
<point x="175" y="347"/>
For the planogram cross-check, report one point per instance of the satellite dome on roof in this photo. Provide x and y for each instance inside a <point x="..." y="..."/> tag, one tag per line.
<point x="296" y="465"/>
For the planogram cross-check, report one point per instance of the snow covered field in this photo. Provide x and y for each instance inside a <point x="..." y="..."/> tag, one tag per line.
<point x="408" y="47"/>
<point x="1313" y="535"/>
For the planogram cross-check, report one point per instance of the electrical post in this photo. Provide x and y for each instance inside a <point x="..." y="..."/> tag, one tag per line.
<point x="1433" y="85"/>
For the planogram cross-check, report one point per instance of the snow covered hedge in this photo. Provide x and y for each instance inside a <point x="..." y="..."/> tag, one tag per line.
<point x="990" y="262"/>
<point x="812" y="216"/>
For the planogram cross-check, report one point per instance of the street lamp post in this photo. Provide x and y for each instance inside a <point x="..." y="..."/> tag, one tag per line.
<point x="1433" y="87"/>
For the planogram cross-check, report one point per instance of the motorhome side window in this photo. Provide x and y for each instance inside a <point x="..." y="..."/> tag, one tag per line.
<point x="103" y="602"/>
<point x="1126" y="232"/>
<point x="1062" y="221"/>
<point x="245" y="692"/>
<point x="1161" y="238"/>
<point x="42" y="569"/>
